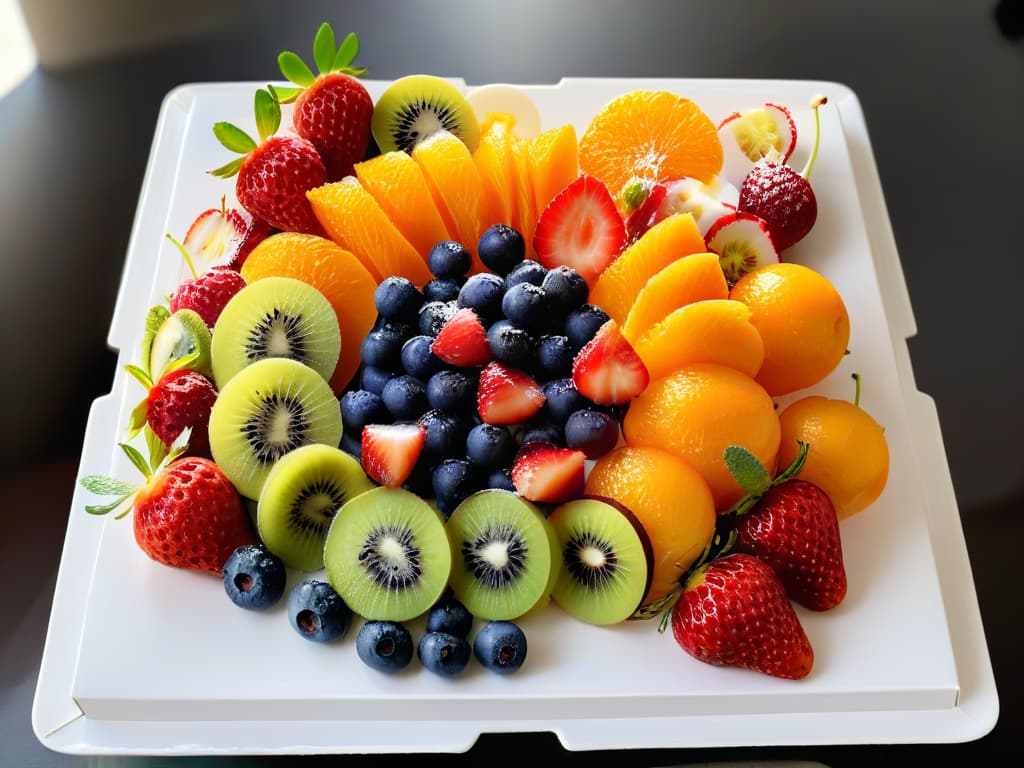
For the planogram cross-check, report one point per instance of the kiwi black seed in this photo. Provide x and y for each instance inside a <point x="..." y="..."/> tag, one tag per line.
<point x="387" y="555"/>
<point x="302" y="494"/>
<point x="416" y="106"/>
<point x="607" y="560"/>
<point x="275" y="317"/>
<point x="266" y="410"/>
<point x="502" y="555"/>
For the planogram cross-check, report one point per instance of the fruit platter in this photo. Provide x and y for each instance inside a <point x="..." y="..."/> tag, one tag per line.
<point x="581" y="408"/>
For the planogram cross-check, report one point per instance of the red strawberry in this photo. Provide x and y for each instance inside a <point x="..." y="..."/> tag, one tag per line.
<point x="580" y="228"/>
<point x="332" y="109"/>
<point x="643" y="214"/>
<point x="506" y="395"/>
<point x="782" y="197"/>
<point x="608" y="370"/>
<point x="794" y="528"/>
<point x="208" y="293"/>
<point x="734" y="612"/>
<point x="215" y="235"/>
<point x="187" y="514"/>
<point x="462" y="340"/>
<point x="180" y="399"/>
<point x="548" y="473"/>
<point x="743" y="243"/>
<point x="273" y="176"/>
<point x="389" y="451"/>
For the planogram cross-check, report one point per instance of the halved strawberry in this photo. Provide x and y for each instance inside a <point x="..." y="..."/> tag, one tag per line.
<point x="214" y="235"/>
<point x="462" y="340"/>
<point x="767" y="131"/>
<point x="548" y="473"/>
<point x="608" y="370"/>
<point x="742" y="242"/>
<point x="390" y="451"/>
<point x="580" y="228"/>
<point x="506" y="395"/>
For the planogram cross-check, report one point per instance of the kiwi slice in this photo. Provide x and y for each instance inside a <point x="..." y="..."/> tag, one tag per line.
<point x="265" y="411"/>
<point x="275" y="317"/>
<point x="607" y="560"/>
<point x="387" y="555"/>
<point x="173" y="341"/>
<point x="302" y="493"/>
<point x="416" y="106"/>
<point x="501" y="554"/>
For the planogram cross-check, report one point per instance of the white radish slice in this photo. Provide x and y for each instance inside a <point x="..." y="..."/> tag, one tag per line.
<point x="742" y="243"/>
<point x="499" y="97"/>
<point x="751" y="135"/>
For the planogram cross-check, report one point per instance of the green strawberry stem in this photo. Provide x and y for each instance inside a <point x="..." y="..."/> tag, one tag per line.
<point x="268" y="120"/>
<point x="754" y="479"/>
<point x="856" y="392"/>
<point x="816" y="102"/>
<point x="328" y="59"/>
<point x="185" y="255"/>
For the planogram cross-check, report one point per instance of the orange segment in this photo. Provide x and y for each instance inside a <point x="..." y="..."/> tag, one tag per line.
<point x="333" y="271"/>
<point x="526" y="208"/>
<point x="700" y="410"/>
<point x="456" y="187"/>
<point x="554" y="163"/>
<point x="710" y="331"/>
<point x="494" y="161"/>
<point x="619" y="285"/>
<point x="355" y="221"/>
<point x="397" y="184"/>
<point x="696" y="277"/>
<point x="653" y="135"/>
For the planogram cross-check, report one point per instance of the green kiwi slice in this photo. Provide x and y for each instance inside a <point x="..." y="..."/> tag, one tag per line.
<point x="275" y="317"/>
<point x="302" y="493"/>
<point x="173" y="341"/>
<point x="416" y="106"/>
<point x="607" y="560"/>
<point x="502" y="554"/>
<point x="387" y="555"/>
<point x="265" y="411"/>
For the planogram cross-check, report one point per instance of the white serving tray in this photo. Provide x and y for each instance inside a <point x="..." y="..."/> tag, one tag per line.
<point x="903" y="659"/>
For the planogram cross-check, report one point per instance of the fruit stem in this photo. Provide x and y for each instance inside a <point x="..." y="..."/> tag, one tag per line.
<point x="185" y="254"/>
<point x="816" y="102"/>
<point x="856" y="392"/>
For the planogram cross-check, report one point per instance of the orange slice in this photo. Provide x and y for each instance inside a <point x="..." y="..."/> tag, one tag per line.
<point x="495" y="163"/>
<point x="620" y="283"/>
<point x="397" y="184"/>
<point x="526" y="209"/>
<point x="554" y="163"/>
<point x="355" y="221"/>
<point x="333" y="271"/>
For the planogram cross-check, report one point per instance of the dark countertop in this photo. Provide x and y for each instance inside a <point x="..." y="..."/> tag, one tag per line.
<point x="941" y="92"/>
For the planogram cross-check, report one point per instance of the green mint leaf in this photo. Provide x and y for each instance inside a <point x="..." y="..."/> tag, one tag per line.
<point x="106" y="486"/>
<point x="103" y="509"/>
<point x="748" y="470"/>
<point x="234" y="138"/>
<point x="295" y="70"/>
<point x="228" y="170"/>
<point x="268" y="114"/>
<point x="347" y="53"/>
<point x="137" y="459"/>
<point x="323" y="48"/>
<point x="284" y="95"/>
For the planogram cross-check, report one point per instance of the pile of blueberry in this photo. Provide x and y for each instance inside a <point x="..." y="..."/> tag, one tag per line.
<point x="536" y="321"/>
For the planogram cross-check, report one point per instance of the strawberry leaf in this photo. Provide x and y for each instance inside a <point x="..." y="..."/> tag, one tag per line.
<point x="748" y="470"/>
<point x="103" y="509"/>
<point x="137" y="459"/>
<point x="268" y="114"/>
<point x="347" y="53"/>
<point x="284" y="95"/>
<point x="137" y="420"/>
<point x="295" y="69"/>
<point x="228" y="170"/>
<point x="140" y="376"/>
<point x="323" y="48"/>
<point x="234" y="138"/>
<point x="157" y="449"/>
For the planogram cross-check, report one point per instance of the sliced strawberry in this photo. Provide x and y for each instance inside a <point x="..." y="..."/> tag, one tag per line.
<point x="767" y="131"/>
<point x="213" y="238"/>
<point x="644" y="216"/>
<point x="462" y="340"/>
<point x="506" y="395"/>
<point x="548" y="473"/>
<point x="580" y="228"/>
<point x="389" y="451"/>
<point x="742" y="242"/>
<point x="608" y="370"/>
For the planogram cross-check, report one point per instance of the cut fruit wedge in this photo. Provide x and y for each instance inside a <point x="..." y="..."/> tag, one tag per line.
<point x="507" y="99"/>
<point x="707" y="202"/>
<point x="554" y="163"/>
<point x="754" y="134"/>
<point x="743" y="244"/>
<point x="495" y="162"/>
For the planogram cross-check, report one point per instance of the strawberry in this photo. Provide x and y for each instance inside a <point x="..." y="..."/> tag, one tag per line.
<point x="782" y="197"/>
<point x="187" y="514"/>
<point x="215" y="235"/>
<point x="389" y="451"/>
<point x="743" y="243"/>
<point x="274" y="175"/>
<point x="506" y="395"/>
<point x="462" y="340"/>
<point x="734" y="611"/>
<point x="181" y="399"/>
<point x="642" y="198"/>
<point x="548" y="473"/>
<point x="207" y="293"/>
<point x="332" y="109"/>
<point x="580" y="228"/>
<point x="608" y="370"/>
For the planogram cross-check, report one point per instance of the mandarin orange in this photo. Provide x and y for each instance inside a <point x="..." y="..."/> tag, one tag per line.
<point x="494" y="161"/>
<point x="554" y="163"/>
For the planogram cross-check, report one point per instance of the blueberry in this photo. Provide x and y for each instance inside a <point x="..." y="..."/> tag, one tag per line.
<point x="448" y="259"/>
<point x="454" y="481"/>
<point x="500" y="646"/>
<point x="421" y="480"/>
<point x="593" y="432"/>
<point x="382" y="346"/>
<point x="449" y="615"/>
<point x="451" y="390"/>
<point x="543" y="431"/>
<point x="553" y="357"/>
<point x="433" y="316"/>
<point x="444" y="439"/>
<point x="582" y="323"/>
<point x="562" y="399"/>
<point x="384" y="645"/>
<point x="501" y="248"/>
<point x="483" y="293"/>
<point x="501" y="479"/>
<point x="254" y="577"/>
<point x="360" y="407"/>
<point x="373" y="378"/>
<point x="405" y="397"/>
<point x="528" y="271"/>
<point x="396" y="298"/>
<point x="317" y="612"/>
<point x="352" y="445"/>
<point x="442" y="289"/>
<point x="490" y="446"/>
<point x="566" y="287"/>
<point x="444" y="654"/>
<point x="526" y="305"/>
<point x="418" y="360"/>
<point x="509" y="343"/>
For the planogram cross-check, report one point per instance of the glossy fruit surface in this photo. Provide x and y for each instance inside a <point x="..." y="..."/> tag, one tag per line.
<point x="254" y="577"/>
